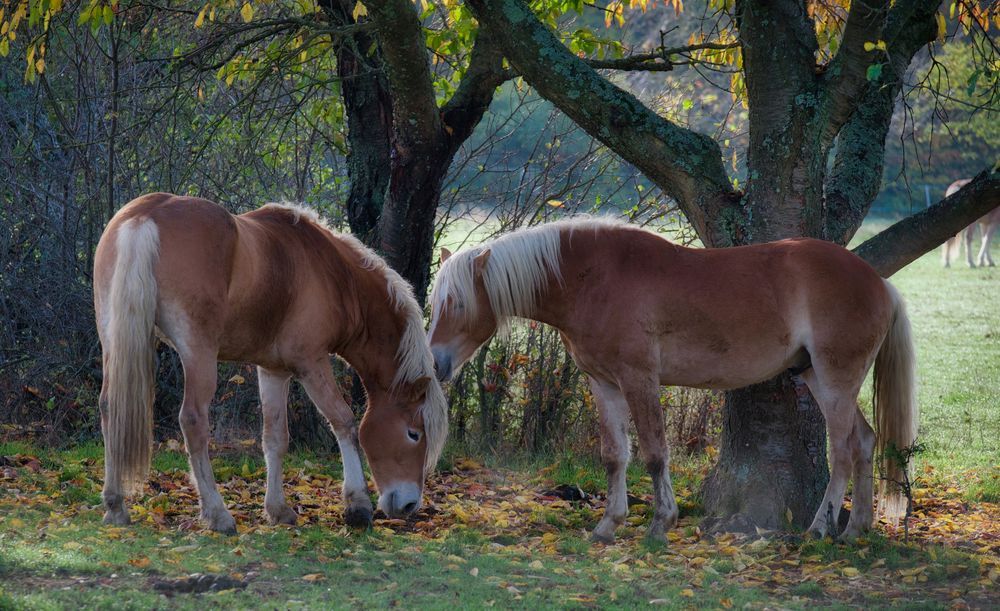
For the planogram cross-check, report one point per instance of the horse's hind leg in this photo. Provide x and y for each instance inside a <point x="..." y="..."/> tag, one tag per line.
<point x="839" y="408"/>
<point x="969" y="235"/>
<point x="862" y="498"/>
<point x="643" y="400"/>
<point x="613" y="411"/>
<point x="274" y="404"/>
<point x="199" y="387"/>
<point x="324" y="392"/>
<point x="985" y="257"/>
<point x="114" y="498"/>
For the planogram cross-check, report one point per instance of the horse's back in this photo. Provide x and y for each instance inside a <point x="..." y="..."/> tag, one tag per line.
<point x="721" y="318"/>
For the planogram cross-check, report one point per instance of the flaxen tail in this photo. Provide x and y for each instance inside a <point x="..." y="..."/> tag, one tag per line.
<point x="895" y="407"/>
<point x="128" y="344"/>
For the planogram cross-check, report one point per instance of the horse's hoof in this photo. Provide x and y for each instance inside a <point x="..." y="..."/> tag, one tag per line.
<point x="117" y="518"/>
<point x="656" y="535"/>
<point x="224" y="525"/>
<point x="597" y="537"/>
<point x="284" y="515"/>
<point x="358" y="517"/>
<point x="813" y="534"/>
<point x="851" y="534"/>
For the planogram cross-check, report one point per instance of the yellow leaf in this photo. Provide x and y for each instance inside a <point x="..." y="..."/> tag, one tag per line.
<point x="687" y="593"/>
<point x="851" y="572"/>
<point x="238" y="379"/>
<point x="360" y="10"/>
<point x="201" y="17"/>
<point x="40" y="65"/>
<point x="313" y="577"/>
<point x="942" y="27"/>
<point x="139" y="562"/>
<point x="246" y="12"/>
<point x="55" y="6"/>
<point x="555" y="203"/>
<point x="869" y="46"/>
<point x="474" y="571"/>
<point x="536" y="565"/>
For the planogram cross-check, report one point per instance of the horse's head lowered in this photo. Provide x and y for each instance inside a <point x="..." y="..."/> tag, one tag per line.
<point x="462" y="317"/>
<point x="398" y="437"/>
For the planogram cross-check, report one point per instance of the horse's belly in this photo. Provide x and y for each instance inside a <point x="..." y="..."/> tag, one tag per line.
<point x="705" y="367"/>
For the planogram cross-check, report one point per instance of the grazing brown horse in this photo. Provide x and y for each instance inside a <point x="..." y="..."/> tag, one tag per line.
<point x="636" y="311"/>
<point x="988" y="225"/>
<point x="277" y="288"/>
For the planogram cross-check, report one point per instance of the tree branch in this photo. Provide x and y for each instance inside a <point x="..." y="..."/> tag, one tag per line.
<point x="907" y="240"/>
<point x="846" y="76"/>
<point x="410" y="82"/>
<point x="655" y="61"/>
<point x="857" y="169"/>
<point x="686" y="164"/>
<point x="485" y="73"/>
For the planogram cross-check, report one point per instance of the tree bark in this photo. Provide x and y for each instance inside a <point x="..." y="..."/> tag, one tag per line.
<point x="368" y="109"/>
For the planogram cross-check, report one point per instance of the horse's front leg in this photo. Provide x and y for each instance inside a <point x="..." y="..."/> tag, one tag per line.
<point x="274" y="404"/>
<point x="613" y="412"/>
<point x="644" y="401"/>
<point x="324" y="392"/>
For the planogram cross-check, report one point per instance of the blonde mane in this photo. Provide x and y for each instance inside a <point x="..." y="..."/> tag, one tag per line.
<point x="413" y="356"/>
<point x="517" y="271"/>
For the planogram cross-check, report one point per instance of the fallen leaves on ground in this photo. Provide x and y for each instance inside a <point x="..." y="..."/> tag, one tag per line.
<point x="953" y="556"/>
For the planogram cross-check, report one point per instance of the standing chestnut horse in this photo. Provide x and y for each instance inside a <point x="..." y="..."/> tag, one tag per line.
<point x="988" y="225"/>
<point x="277" y="288"/>
<point x="636" y="311"/>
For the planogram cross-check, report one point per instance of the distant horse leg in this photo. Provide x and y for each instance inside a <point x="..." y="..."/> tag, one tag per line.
<point x="114" y="499"/>
<point x="274" y="404"/>
<point x="969" y="235"/>
<point x="322" y="389"/>
<point x="199" y="388"/>
<point x="985" y="257"/>
<point x="951" y="244"/>
<point x="839" y="411"/>
<point x="647" y="414"/>
<point x="862" y="498"/>
<point x="613" y="410"/>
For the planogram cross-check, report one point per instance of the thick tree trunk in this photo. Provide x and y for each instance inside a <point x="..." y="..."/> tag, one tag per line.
<point x="772" y="467"/>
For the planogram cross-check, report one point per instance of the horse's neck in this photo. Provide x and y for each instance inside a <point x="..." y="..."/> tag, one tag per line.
<point x="555" y="298"/>
<point x="370" y="347"/>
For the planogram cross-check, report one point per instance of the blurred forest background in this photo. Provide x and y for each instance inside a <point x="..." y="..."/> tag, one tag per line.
<point x="131" y="107"/>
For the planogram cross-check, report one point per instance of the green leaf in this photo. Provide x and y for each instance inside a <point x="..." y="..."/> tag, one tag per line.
<point x="970" y="87"/>
<point x="874" y="72"/>
<point x="109" y="15"/>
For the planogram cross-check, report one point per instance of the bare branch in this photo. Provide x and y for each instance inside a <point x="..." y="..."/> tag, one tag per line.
<point x="686" y="164"/>
<point x="901" y="244"/>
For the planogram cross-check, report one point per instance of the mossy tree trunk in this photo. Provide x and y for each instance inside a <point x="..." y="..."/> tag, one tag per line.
<point x="772" y="463"/>
<point x="401" y="142"/>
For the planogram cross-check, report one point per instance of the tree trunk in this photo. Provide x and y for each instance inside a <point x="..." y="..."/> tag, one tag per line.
<point x="772" y="467"/>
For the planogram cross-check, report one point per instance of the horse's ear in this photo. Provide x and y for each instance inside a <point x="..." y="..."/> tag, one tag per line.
<point x="445" y="254"/>
<point x="419" y="388"/>
<point x="479" y="263"/>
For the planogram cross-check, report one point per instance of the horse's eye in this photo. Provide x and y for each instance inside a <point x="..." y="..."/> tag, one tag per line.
<point x="413" y="435"/>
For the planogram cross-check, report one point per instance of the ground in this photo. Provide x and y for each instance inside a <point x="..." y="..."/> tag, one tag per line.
<point x="499" y="535"/>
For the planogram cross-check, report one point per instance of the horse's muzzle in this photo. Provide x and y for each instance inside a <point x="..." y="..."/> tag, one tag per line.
<point x="400" y="500"/>
<point x="442" y="365"/>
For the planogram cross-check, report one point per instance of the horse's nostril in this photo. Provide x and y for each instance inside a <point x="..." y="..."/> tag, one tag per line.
<point x="410" y="507"/>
